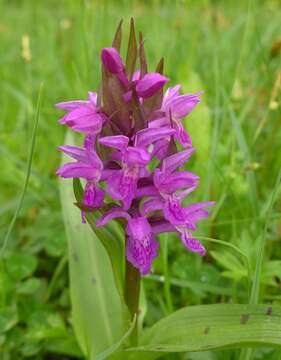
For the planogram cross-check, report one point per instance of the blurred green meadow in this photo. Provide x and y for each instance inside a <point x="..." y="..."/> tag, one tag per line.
<point x="229" y="49"/>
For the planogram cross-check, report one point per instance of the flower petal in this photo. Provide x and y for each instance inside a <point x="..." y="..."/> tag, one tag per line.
<point x="163" y="121"/>
<point x="160" y="148"/>
<point x="114" y="213"/>
<point x="122" y="187"/>
<point x="84" y="119"/>
<point x="78" y="170"/>
<point x="182" y="105"/>
<point x="150" y="135"/>
<point x="174" y="212"/>
<point x="191" y="243"/>
<point x="75" y="152"/>
<point x="170" y="94"/>
<point x="171" y="163"/>
<point x="151" y="205"/>
<point x="141" y="246"/>
<point x="136" y="75"/>
<point x="149" y="190"/>
<point x="71" y="105"/>
<point x="196" y="212"/>
<point x="119" y="142"/>
<point x="182" y="135"/>
<point x="93" y="195"/>
<point x="134" y="155"/>
<point x="112" y="60"/>
<point x="150" y="84"/>
<point x="162" y="226"/>
<point x="171" y="183"/>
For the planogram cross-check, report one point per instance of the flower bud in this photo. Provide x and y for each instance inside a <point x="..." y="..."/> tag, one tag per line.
<point x="112" y="60"/>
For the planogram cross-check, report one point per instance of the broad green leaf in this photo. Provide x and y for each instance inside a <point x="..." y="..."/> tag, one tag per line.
<point x="99" y="319"/>
<point x="29" y="286"/>
<point x="110" y="239"/>
<point x="20" y="265"/>
<point x="205" y="327"/>
<point x="112" y="350"/>
<point x="44" y="325"/>
<point x="8" y="318"/>
<point x="65" y="346"/>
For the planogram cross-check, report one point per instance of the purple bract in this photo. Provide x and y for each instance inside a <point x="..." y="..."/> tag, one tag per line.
<point x="131" y="162"/>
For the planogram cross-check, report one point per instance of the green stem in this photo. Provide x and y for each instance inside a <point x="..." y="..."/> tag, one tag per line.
<point x="132" y="294"/>
<point x="167" y="284"/>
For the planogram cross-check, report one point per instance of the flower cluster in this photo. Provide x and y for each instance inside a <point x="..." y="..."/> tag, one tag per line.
<point x="130" y="155"/>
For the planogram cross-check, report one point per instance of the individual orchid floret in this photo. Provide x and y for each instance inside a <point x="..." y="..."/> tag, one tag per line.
<point x="173" y="186"/>
<point x="122" y="183"/>
<point x="83" y="116"/>
<point x="141" y="246"/>
<point x="113" y="63"/>
<point x="176" y="107"/>
<point x="89" y="167"/>
<point x="112" y="60"/>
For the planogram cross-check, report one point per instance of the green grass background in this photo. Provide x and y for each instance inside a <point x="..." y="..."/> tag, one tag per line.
<point x="230" y="50"/>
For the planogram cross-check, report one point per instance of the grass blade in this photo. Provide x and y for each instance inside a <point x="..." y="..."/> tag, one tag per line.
<point x="28" y="170"/>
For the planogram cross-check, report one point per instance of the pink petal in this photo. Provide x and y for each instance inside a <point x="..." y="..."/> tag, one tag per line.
<point x="112" y="60"/>
<point x="114" y="213"/>
<point x="171" y="163"/>
<point x="119" y="142"/>
<point x="150" y="135"/>
<point x="150" y="84"/>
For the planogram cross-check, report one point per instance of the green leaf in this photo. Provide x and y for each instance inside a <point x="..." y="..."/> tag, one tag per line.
<point x="99" y="316"/>
<point x="44" y="325"/>
<point x="8" y="318"/>
<point x="205" y="327"/>
<point x="20" y="265"/>
<point x="30" y="349"/>
<point x="105" y="354"/>
<point x="109" y="238"/>
<point x="29" y="286"/>
<point x="65" y="346"/>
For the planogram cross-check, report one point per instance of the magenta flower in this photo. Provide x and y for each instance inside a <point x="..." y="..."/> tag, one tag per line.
<point x="89" y="167"/>
<point x="141" y="246"/>
<point x="174" y="108"/>
<point x="130" y="162"/>
<point x="83" y="116"/>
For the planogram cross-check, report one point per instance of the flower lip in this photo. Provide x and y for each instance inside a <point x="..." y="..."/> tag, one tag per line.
<point x="136" y="156"/>
<point x="141" y="246"/>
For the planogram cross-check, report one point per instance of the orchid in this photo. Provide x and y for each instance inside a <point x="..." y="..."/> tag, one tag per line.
<point x="128" y="127"/>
